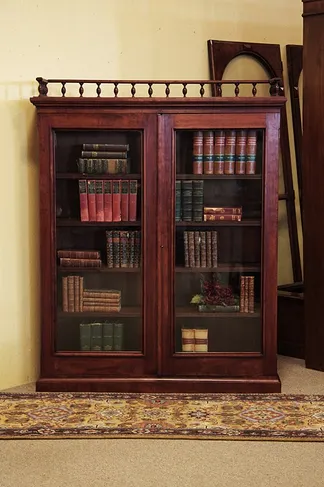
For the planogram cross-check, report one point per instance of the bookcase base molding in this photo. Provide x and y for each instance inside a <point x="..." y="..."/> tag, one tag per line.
<point x="158" y="230"/>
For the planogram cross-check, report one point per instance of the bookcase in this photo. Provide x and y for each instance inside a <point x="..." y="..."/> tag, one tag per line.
<point x="158" y="225"/>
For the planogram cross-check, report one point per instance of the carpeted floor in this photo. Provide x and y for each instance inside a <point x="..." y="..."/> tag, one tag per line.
<point x="203" y="416"/>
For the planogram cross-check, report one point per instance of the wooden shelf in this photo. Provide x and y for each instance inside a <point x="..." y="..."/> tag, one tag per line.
<point x="219" y="176"/>
<point x="74" y="222"/>
<point x="78" y="175"/>
<point x="124" y="313"/>
<point x="102" y="269"/>
<point x="216" y="223"/>
<point x="220" y="268"/>
<point x="187" y="312"/>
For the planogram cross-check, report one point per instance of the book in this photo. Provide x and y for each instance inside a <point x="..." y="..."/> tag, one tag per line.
<point x="240" y="151"/>
<point x="79" y="254"/>
<point x="92" y="200"/>
<point x="96" y="337"/>
<point x="85" y="336"/>
<point x="224" y="217"/>
<point x="124" y="248"/>
<point x="197" y="248"/>
<point x="118" y="336"/>
<point x="203" y="250"/>
<point x="83" y="195"/>
<point x="105" y="147"/>
<point x="250" y="293"/>
<point x="99" y="201"/>
<point x="242" y="293"/>
<point x="132" y="212"/>
<point x="230" y="142"/>
<point x="124" y="201"/>
<point x="70" y="287"/>
<point x="214" y="244"/>
<point x="81" y="281"/>
<point x="116" y="248"/>
<point x="109" y="249"/>
<point x="197" y="200"/>
<point x="107" y="336"/>
<point x="225" y="210"/>
<point x="197" y="152"/>
<point x="188" y="339"/>
<point x="201" y="340"/>
<point x="101" y="308"/>
<point x="191" y="244"/>
<point x="186" y="248"/>
<point x="104" y="154"/>
<point x="178" y="200"/>
<point x="219" y="152"/>
<point x="65" y="302"/>
<point x="77" y="294"/>
<point x="208" y="157"/>
<point x="186" y="197"/>
<point x="209" y="249"/>
<point x="111" y="293"/>
<point x="132" y="249"/>
<point x="251" y="149"/>
<point x="137" y="249"/>
<point x="108" y="200"/>
<point x="116" y="200"/>
<point x="68" y="262"/>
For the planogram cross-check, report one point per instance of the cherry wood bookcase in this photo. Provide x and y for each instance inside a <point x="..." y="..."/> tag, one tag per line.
<point x="143" y="333"/>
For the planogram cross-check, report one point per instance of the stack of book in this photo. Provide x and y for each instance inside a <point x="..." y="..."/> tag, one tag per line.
<point x="99" y="336"/>
<point x="194" y="340"/>
<point x="123" y="248"/>
<point x="79" y="258"/>
<point x="229" y="213"/>
<point x="108" y="200"/>
<point x="104" y="159"/>
<point x="200" y="249"/>
<point x="224" y="152"/>
<point x="101" y="300"/>
<point x="189" y="200"/>
<point x="247" y="294"/>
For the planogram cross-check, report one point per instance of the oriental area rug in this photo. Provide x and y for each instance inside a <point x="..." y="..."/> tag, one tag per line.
<point x="191" y="416"/>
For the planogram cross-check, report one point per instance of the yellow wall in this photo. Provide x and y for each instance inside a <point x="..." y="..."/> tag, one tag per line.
<point x="98" y="39"/>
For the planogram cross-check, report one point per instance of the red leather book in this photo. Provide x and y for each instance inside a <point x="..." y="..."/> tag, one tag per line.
<point x="125" y="200"/>
<point x="99" y="201"/>
<point x="84" y="210"/>
<point x="92" y="201"/>
<point x="108" y="200"/>
<point x="132" y="200"/>
<point x="225" y="217"/>
<point x="116" y="200"/>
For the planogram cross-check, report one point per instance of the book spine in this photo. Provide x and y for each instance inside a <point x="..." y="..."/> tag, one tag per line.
<point x="83" y="195"/>
<point x="197" y="200"/>
<point x="230" y="142"/>
<point x="92" y="201"/>
<point x="107" y="337"/>
<point x="203" y="250"/>
<point x="137" y="251"/>
<point x="81" y="280"/>
<point x="105" y="147"/>
<point x="108" y="200"/>
<point x="77" y="294"/>
<point x="66" y="262"/>
<point x="197" y="248"/>
<point x="96" y="337"/>
<point x="105" y="293"/>
<point x="132" y="249"/>
<point x="65" y="302"/>
<point x="219" y="152"/>
<point x="186" y="197"/>
<point x="85" y="336"/>
<point x="132" y="200"/>
<point x="209" y="152"/>
<point x="178" y="201"/>
<point x="186" y="248"/>
<point x="99" y="201"/>
<point x="240" y="152"/>
<point x="118" y="336"/>
<point x="104" y="154"/>
<point x="197" y="152"/>
<point x="109" y="248"/>
<point x="226" y="210"/>
<point x="124" y="260"/>
<point x="124" y="200"/>
<point x="116" y="200"/>
<point x="188" y="339"/>
<point x="246" y="294"/>
<point x="214" y="249"/>
<point x="101" y="302"/>
<point x="209" y="249"/>
<point x="251" y="149"/>
<point x="251" y="294"/>
<point x="79" y="254"/>
<point x="116" y="248"/>
<point x="242" y="292"/>
<point x="70" y="283"/>
<point x="100" y="308"/>
<point x="191" y="242"/>
<point x="210" y="218"/>
<point x="201" y="340"/>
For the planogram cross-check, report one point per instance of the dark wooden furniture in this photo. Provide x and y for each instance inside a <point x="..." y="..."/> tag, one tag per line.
<point x="313" y="177"/>
<point x="159" y="128"/>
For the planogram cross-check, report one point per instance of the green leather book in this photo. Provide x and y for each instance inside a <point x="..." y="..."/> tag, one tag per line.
<point x="107" y="336"/>
<point x="118" y="336"/>
<point x="96" y="336"/>
<point x="85" y="336"/>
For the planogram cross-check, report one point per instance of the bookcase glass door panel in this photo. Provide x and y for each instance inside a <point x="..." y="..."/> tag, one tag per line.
<point x="218" y="237"/>
<point x="98" y="241"/>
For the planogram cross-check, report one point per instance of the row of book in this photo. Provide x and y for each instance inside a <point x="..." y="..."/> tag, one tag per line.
<point x="194" y="339"/>
<point x="79" y="258"/>
<point x="247" y="294"/>
<point x="189" y="200"/>
<point x="224" y="152"/>
<point x="123" y="248"/>
<point x="225" y="213"/>
<point x="76" y="299"/>
<point x="200" y="249"/>
<point x="101" y="336"/>
<point x="104" y="159"/>
<point x="108" y="200"/>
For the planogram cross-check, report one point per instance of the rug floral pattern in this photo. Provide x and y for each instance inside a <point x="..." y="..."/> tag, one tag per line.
<point x="120" y="415"/>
